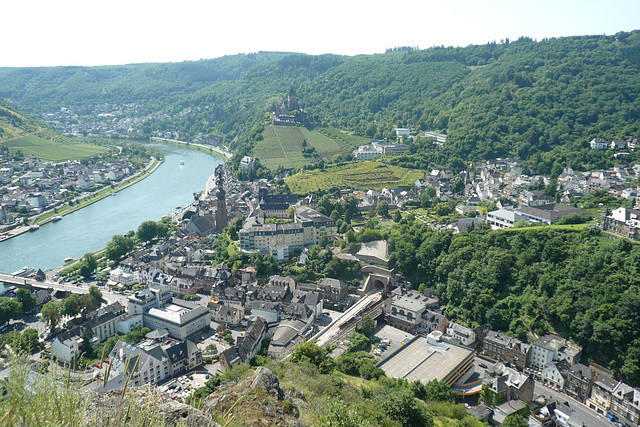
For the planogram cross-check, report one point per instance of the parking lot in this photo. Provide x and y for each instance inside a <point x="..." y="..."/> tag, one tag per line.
<point x="394" y="335"/>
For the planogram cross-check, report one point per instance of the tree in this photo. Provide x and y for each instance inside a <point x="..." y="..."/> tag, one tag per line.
<point x="368" y="325"/>
<point x="25" y="298"/>
<point x="458" y="185"/>
<point x="147" y="231"/>
<point x="383" y="209"/>
<point x="314" y="354"/>
<point x="9" y="309"/>
<point x="118" y="247"/>
<point x="397" y="216"/>
<point x="88" y="266"/>
<point x="96" y="297"/>
<point x="26" y="342"/>
<point x="52" y="314"/>
<point x="439" y="390"/>
<point x="515" y="420"/>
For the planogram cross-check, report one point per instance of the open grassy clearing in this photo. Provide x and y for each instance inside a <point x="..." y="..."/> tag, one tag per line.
<point x="348" y="138"/>
<point x="282" y="146"/>
<point x="54" y="150"/>
<point x="358" y="176"/>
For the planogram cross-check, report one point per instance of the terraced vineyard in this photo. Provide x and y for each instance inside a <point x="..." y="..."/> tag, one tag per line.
<point x="284" y="145"/>
<point x="358" y="176"/>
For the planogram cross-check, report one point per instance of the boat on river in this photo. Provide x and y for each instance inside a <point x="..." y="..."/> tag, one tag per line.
<point x="181" y="162"/>
<point x="56" y="218"/>
<point x="34" y="227"/>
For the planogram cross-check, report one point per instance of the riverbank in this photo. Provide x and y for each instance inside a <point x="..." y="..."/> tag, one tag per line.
<point x="66" y="209"/>
<point x="201" y="147"/>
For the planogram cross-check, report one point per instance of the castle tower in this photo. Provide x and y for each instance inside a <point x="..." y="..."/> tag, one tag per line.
<point x="221" y="204"/>
<point x="292" y="99"/>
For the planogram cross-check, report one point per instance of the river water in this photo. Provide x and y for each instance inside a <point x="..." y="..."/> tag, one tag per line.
<point x="90" y="228"/>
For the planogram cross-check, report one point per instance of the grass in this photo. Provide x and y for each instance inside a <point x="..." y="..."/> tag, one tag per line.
<point x="53" y="148"/>
<point x="371" y="175"/>
<point x="348" y="138"/>
<point x="282" y="145"/>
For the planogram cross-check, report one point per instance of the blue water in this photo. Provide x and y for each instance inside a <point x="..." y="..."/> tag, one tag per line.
<point x="90" y="228"/>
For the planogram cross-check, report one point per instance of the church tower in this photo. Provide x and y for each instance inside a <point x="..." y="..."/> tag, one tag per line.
<point x="221" y="204"/>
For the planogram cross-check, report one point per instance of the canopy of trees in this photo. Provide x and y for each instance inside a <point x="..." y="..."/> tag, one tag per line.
<point x="579" y="284"/>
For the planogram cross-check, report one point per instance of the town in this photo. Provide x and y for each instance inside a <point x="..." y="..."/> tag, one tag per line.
<point x="184" y="307"/>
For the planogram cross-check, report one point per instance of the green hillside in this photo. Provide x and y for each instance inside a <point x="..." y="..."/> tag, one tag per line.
<point x="542" y="101"/>
<point x="295" y="146"/>
<point x="20" y="132"/>
<point x="358" y="176"/>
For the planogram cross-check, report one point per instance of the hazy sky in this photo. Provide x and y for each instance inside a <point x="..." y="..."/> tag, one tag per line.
<point x="87" y="32"/>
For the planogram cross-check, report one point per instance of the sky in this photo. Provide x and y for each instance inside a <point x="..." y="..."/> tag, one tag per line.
<point x="86" y="32"/>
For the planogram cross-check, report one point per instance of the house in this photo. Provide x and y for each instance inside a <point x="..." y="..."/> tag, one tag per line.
<point x="580" y="379"/>
<point x="465" y="224"/>
<point x="507" y="409"/>
<point x="602" y="394"/>
<point x="506" y="349"/>
<point x="618" y="144"/>
<point x="183" y="356"/>
<point x="66" y="346"/>
<point x="503" y="383"/>
<point x="402" y="133"/>
<point x="555" y="373"/>
<point x="598" y="144"/>
<point x="460" y="333"/>
<point x="104" y="324"/>
<point x="247" y="164"/>
<point x="333" y="289"/>
<point x="246" y="348"/>
<point x="625" y="404"/>
<point x="553" y="348"/>
<point x="226" y="314"/>
<point x="623" y="222"/>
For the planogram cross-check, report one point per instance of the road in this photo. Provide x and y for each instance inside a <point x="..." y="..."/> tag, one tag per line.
<point x="80" y="289"/>
<point x="591" y="418"/>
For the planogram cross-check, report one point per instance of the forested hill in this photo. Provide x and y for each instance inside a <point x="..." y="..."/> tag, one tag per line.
<point x="522" y="98"/>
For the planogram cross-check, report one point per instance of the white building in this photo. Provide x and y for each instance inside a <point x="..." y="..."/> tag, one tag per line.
<point x="156" y="296"/>
<point x="460" y="333"/>
<point x="551" y="348"/>
<point x="180" y="318"/>
<point x="598" y="144"/>
<point x="66" y="346"/>
<point x="402" y="132"/>
<point x="503" y="219"/>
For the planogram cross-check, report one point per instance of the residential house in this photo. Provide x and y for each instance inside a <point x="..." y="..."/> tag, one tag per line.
<point x="66" y="346"/>
<point x="404" y="310"/>
<point x="506" y="349"/>
<point x="625" y="404"/>
<point x="555" y="373"/>
<point x="508" y="384"/>
<point x="580" y="381"/>
<point x="226" y="314"/>
<point x="602" y="394"/>
<point x="598" y="144"/>
<point x="104" y="324"/>
<point x="553" y="348"/>
<point x="246" y="348"/>
<point x="460" y="333"/>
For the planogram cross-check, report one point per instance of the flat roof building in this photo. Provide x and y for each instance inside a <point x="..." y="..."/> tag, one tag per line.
<point x="428" y="358"/>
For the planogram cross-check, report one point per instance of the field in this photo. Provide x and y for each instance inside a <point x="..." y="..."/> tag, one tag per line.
<point x="358" y="176"/>
<point x="52" y="150"/>
<point x="353" y="140"/>
<point x="283" y="145"/>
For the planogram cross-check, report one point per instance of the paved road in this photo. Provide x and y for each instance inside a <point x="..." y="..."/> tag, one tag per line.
<point x="591" y="418"/>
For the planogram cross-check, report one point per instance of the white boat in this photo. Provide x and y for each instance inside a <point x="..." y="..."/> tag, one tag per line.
<point x="69" y="258"/>
<point x="34" y="227"/>
<point x="181" y="162"/>
<point x="56" y="218"/>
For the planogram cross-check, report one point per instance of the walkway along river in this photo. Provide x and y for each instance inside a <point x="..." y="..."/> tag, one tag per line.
<point x="92" y="227"/>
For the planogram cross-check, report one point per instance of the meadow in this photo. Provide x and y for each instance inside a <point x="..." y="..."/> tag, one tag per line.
<point x="54" y="150"/>
<point x="373" y="175"/>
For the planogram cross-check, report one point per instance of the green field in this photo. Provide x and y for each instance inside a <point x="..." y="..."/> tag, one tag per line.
<point x="348" y="138"/>
<point x="53" y="150"/>
<point x="358" y="176"/>
<point x="283" y="145"/>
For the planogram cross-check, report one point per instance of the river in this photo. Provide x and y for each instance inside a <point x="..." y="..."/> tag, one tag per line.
<point x="90" y="228"/>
